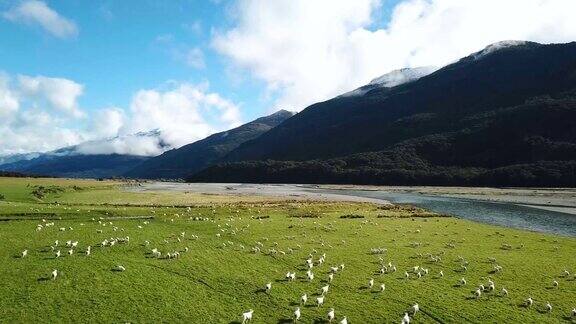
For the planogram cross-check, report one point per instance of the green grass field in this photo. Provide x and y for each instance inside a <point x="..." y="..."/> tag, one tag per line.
<point x="220" y="277"/>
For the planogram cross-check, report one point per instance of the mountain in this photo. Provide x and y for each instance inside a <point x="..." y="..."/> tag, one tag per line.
<point x="90" y="159"/>
<point x="503" y="116"/>
<point x="186" y="160"/>
<point x="393" y="79"/>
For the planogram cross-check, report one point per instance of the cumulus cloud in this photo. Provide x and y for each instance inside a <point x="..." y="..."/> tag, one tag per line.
<point x="156" y="119"/>
<point x="38" y="12"/>
<point x="308" y="51"/>
<point x="35" y="131"/>
<point x="183" y="114"/>
<point x="9" y="104"/>
<point x="61" y="94"/>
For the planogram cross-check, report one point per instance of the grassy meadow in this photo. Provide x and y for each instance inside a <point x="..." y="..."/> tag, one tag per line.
<point x="220" y="276"/>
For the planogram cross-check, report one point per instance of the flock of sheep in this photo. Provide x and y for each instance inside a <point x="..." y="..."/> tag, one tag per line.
<point x="312" y="263"/>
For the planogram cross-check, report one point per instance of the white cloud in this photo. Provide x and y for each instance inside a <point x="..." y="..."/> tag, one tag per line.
<point x="36" y="131"/>
<point x="9" y="103"/>
<point x="156" y="120"/>
<point x="181" y="113"/>
<point x="37" y="12"/>
<point x="61" y="94"/>
<point x="308" y="51"/>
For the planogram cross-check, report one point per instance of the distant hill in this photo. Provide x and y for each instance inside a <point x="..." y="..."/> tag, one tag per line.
<point x="503" y="116"/>
<point x="79" y="161"/>
<point x="77" y="166"/>
<point x="186" y="160"/>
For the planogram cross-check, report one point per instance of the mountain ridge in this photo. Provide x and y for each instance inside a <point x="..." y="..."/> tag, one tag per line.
<point x="444" y="120"/>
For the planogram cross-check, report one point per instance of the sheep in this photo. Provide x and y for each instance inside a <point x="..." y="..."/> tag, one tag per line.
<point x="310" y="275"/>
<point x="566" y="273"/>
<point x="330" y="315"/>
<point x="415" y="308"/>
<point x="304" y="299"/>
<point x="88" y="250"/>
<point x="463" y="282"/>
<point x="342" y="266"/>
<point x="370" y="283"/>
<point x="478" y="293"/>
<point x="247" y="316"/>
<point x="555" y="283"/>
<point x="481" y="287"/>
<point x="406" y="274"/>
<point x="330" y="277"/>
<point x="548" y="307"/>
<point x="325" y="289"/>
<point x="119" y="268"/>
<point x="57" y="254"/>
<point x="70" y="252"/>
<point x="24" y="253"/>
<point x="405" y="319"/>
<point x="333" y="269"/>
<point x="344" y="320"/>
<point x="529" y="302"/>
<point x="54" y="274"/>
<point x="297" y="314"/>
<point x="268" y="287"/>
<point x="574" y="312"/>
<point x="320" y="301"/>
<point x="75" y="244"/>
<point x="441" y="273"/>
<point x="504" y="292"/>
<point x="382" y="287"/>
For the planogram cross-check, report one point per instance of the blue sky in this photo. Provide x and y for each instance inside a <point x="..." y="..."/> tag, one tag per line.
<point x="74" y="71"/>
<point x="117" y="50"/>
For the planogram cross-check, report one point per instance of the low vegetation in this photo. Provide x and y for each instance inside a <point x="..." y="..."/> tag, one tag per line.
<point x="182" y="257"/>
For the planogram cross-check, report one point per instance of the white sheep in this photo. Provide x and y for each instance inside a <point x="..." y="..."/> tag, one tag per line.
<point x="325" y="289"/>
<point x="70" y="252"/>
<point x="330" y="277"/>
<point x="555" y="283"/>
<point x="330" y="315"/>
<point x="529" y="302"/>
<point x="415" y="308"/>
<point x="57" y="254"/>
<point x="504" y="292"/>
<point x="320" y="301"/>
<point x="24" y="253"/>
<point x="88" y="250"/>
<point x="574" y="312"/>
<point x="268" y="287"/>
<point x="304" y="299"/>
<point x="441" y="273"/>
<point x="406" y="319"/>
<point x="406" y="274"/>
<point x="344" y="320"/>
<point x="247" y="316"/>
<point x="310" y="275"/>
<point x="370" y="283"/>
<point x="382" y="287"/>
<point x="54" y="274"/>
<point x="297" y="314"/>
<point x="478" y="293"/>
<point x="463" y="282"/>
<point x="548" y="307"/>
